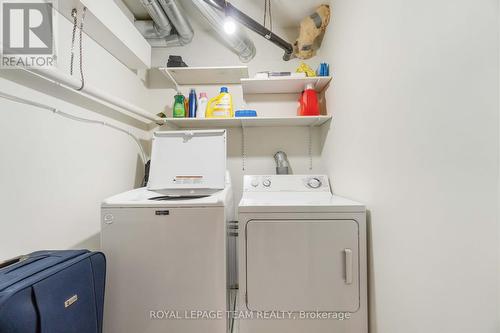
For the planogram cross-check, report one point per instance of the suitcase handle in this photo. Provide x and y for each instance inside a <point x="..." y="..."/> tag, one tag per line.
<point x="19" y="262"/>
<point x="12" y="261"/>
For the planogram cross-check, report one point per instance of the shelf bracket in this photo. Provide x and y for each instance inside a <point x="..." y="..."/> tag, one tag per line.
<point x="177" y="88"/>
<point x="317" y="84"/>
<point x="310" y="141"/>
<point x="243" y="146"/>
<point x="309" y="146"/>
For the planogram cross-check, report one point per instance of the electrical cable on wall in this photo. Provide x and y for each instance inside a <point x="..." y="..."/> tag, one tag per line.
<point x="76" y="118"/>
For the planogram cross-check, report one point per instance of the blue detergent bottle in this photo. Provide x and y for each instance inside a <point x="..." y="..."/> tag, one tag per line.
<point x="193" y="103"/>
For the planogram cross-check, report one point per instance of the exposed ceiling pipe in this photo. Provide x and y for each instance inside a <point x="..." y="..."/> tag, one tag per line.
<point x="160" y="27"/>
<point x="179" y="21"/>
<point x="215" y="4"/>
<point x="247" y="21"/>
<point x="169" y="26"/>
<point x="238" y="42"/>
<point x="148" y="30"/>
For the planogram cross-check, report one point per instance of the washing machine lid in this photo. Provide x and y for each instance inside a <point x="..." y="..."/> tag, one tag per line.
<point x="144" y="198"/>
<point x="188" y="162"/>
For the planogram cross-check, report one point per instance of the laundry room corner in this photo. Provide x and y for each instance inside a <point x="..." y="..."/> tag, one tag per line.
<point x="58" y="164"/>
<point x="250" y="149"/>
<point x="415" y="137"/>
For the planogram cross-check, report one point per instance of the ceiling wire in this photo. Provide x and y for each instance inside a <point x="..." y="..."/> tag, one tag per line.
<point x="268" y="11"/>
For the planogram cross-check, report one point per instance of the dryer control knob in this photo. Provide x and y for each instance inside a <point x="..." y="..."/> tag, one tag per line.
<point x="314" y="183"/>
<point x="266" y="182"/>
<point x="255" y="182"/>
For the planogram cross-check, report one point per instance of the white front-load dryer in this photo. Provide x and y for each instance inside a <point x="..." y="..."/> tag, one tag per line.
<point x="302" y="258"/>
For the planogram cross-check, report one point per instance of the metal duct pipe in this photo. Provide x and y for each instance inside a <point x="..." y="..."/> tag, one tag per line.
<point x="282" y="164"/>
<point x="179" y="21"/>
<point x="238" y="42"/>
<point x="169" y="26"/>
<point x="250" y="23"/>
<point x="169" y="41"/>
<point x="148" y="30"/>
<point x="160" y="27"/>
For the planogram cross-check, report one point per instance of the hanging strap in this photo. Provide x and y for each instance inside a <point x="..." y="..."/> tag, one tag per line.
<point x="74" y="14"/>
<point x="268" y="9"/>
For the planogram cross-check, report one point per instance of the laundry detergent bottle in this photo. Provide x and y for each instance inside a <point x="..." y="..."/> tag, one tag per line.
<point x="308" y="102"/>
<point x="202" y="105"/>
<point x="221" y="106"/>
<point x="179" y="108"/>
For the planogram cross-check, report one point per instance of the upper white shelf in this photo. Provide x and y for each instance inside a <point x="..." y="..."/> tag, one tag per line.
<point x="108" y="25"/>
<point x="206" y="75"/>
<point x="247" y="122"/>
<point x="283" y="85"/>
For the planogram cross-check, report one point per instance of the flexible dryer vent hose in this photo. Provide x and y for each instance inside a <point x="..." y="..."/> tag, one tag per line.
<point x="282" y="164"/>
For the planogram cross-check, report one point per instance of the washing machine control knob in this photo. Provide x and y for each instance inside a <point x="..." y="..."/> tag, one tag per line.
<point x="255" y="182"/>
<point x="314" y="183"/>
<point x="108" y="218"/>
<point x="266" y="182"/>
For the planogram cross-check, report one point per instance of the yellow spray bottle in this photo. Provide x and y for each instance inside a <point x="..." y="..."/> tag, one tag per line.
<point x="221" y="106"/>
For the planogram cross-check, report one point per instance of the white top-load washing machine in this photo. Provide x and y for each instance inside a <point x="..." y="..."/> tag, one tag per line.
<point x="166" y="244"/>
<point x="302" y="258"/>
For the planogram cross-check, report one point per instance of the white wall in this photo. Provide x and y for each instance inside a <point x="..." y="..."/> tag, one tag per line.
<point x="415" y="137"/>
<point x="207" y="50"/>
<point x="55" y="171"/>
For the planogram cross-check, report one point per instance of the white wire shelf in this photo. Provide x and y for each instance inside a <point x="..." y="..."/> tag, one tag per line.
<point x="247" y="122"/>
<point x="283" y="85"/>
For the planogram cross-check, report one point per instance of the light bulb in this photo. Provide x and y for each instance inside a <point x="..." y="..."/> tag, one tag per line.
<point x="229" y="26"/>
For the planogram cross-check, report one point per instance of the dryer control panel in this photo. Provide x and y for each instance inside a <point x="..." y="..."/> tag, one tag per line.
<point x="286" y="183"/>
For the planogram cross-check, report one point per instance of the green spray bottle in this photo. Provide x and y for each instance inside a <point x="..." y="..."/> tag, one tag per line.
<point x="179" y="110"/>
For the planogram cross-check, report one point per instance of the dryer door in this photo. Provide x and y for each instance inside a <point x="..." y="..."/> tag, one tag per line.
<point x="302" y="265"/>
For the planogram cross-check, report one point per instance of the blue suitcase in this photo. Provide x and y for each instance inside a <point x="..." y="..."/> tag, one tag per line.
<point x="53" y="292"/>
